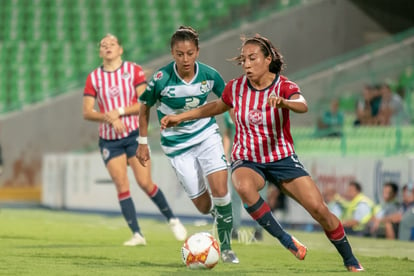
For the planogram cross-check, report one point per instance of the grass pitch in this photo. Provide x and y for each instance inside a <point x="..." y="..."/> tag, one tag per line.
<point x="46" y="242"/>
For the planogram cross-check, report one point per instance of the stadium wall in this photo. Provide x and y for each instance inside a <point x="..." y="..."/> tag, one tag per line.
<point x="306" y="35"/>
<point x="81" y="182"/>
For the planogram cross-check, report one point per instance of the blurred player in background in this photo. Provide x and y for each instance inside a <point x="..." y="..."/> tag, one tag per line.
<point x="116" y="86"/>
<point x="263" y="146"/>
<point x="195" y="149"/>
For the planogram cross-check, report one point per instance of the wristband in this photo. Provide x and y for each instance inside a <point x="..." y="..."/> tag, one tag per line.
<point x="142" y="140"/>
<point x="121" y="111"/>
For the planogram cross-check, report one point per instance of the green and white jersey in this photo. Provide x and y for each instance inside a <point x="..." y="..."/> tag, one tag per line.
<point x="173" y="95"/>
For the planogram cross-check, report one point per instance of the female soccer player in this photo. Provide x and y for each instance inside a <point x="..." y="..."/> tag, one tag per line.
<point x="116" y="85"/>
<point x="263" y="145"/>
<point x="195" y="149"/>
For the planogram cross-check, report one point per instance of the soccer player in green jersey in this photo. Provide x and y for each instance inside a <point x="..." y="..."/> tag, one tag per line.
<point x="195" y="148"/>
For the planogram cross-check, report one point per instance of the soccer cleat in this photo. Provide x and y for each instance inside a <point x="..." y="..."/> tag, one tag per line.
<point x="355" y="268"/>
<point x="178" y="229"/>
<point x="300" y="250"/>
<point x="228" y="256"/>
<point x="136" y="239"/>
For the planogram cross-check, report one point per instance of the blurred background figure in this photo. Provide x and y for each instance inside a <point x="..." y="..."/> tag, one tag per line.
<point x="331" y="122"/>
<point x="406" y="227"/>
<point x="389" y="205"/>
<point x="368" y="106"/>
<point x="358" y="212"/>
<point x="1" y="160"/>
<point x="115" y="87"/>
<point x="391" y="110"/>
<point x="336" y="203"/>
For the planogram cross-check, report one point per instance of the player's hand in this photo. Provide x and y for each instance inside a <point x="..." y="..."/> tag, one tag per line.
<point x="275" y="101"/>
<point x="169" y="121"/>
<point x="111" y="116"/>
<point x="119" y="126"/>
<point x="143" y="154"/>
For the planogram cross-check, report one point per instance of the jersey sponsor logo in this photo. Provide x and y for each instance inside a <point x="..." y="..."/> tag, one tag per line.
<point x="158" y="75"/>
<point x="113" y="91"/>
<point x="204" y="87"/>
<point x="292" y="85"/>
<point x="105" y="153"/>
<point x="191" y="103"/>
<point x="255" y="117"/>
<point x="171" y="93"/>
<point x="126" y="76"/>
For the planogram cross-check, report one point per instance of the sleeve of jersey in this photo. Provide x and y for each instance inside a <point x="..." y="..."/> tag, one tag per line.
<point x="139" y="75"/>
<point x="149" y="96"/>
<point x="89" y="90"/>
<point x="227" y="96"/>
<point x="218" y="85"/>
<point x="289" y="88"/>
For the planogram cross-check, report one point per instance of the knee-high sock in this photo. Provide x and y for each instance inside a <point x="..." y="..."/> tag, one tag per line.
<point x="261" y="213"/>
<point x="128" y="211"/>
<point x="340" y="241"/>
<point x="157" y="196"/>
<point x="223" y="215"/>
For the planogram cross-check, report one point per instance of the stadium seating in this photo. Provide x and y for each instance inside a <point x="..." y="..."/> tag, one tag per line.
<point x="56" y="39"/>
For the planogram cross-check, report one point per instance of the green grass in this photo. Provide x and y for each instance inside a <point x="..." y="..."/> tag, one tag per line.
<point x="46" y="242"/>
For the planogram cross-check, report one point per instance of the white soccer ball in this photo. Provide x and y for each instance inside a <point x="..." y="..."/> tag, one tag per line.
<point x="200" y="251"/>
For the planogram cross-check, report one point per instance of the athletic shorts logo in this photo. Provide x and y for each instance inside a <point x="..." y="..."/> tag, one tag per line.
<point x="158" y="76"/>
<point x="113" y="91"/>
<point x="105" y="153"/>
<point x="255" y="117"/>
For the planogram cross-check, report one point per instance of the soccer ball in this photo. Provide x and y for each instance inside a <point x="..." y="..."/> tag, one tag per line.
<point x="200" y="251"/>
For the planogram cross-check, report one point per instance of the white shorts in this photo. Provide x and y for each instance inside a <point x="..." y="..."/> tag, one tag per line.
<point x="192" y="166"/>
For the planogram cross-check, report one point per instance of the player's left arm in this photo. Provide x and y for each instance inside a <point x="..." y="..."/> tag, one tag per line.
<point x="289" y="98"/>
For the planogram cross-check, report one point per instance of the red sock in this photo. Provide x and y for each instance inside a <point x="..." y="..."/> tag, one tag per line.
<point x="337" y="234"/>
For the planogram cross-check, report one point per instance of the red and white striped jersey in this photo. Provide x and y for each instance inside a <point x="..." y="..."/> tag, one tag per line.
<point x="113" y="90"/>
<point x="262" y="132"/>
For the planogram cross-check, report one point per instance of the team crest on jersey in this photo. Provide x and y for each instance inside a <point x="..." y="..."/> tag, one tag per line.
<point x="204" y="87"/>
<point x="105" y="153"/>
<point x="255" y="117"/>
<point x="158" y="75"/>
<point x="113" y="91"/>
<point x="125" y="75"/>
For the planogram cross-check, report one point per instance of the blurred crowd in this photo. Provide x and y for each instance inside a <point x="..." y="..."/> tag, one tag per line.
<point x="379" y="105"/>
<point x="392" y="218"/>
<point x="382" y="104"/>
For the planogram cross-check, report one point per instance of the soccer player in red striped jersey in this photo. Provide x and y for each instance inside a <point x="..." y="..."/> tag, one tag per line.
<point x="116" y="86"/>
<point x="263" y="149"/>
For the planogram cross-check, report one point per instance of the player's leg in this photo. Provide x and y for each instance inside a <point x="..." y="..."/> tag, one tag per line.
<point x="247" y="182"/>
<point x="116" y="164"/>
<point x="210" y="156"/>
<point x="258" y="230"/>
<point x="304" y="190"/>
<point x="144" y="179"/>
<point x="236" y="209"/>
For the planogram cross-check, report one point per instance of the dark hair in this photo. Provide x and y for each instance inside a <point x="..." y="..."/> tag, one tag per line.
<point x="393" y="185"/>
<point x="356" y="185"/>
<point x="267" y="48"/>
<point x="184" y="33"/>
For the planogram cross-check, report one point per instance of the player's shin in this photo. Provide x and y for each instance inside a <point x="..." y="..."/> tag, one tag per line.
<point x="223" y="216"/>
